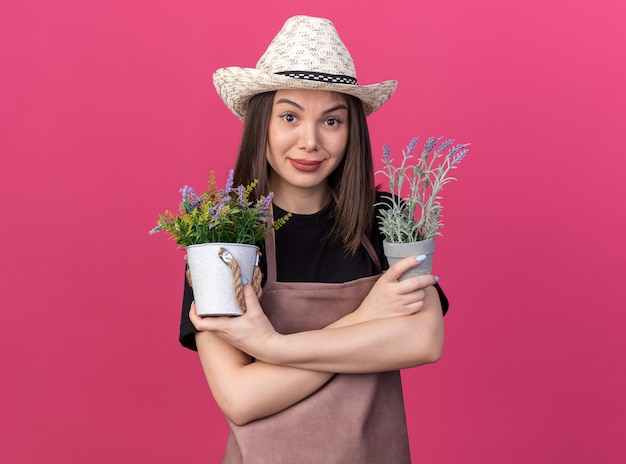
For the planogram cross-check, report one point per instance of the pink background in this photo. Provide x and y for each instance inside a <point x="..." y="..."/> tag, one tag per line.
<point x="107" y="109"/>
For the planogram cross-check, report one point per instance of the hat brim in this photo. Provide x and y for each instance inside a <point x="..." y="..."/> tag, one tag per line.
<point x="236" y="86"/>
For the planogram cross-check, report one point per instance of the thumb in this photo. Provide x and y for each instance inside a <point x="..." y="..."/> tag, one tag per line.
<point x="252" y="302"/>
<point x="395" y="271"/>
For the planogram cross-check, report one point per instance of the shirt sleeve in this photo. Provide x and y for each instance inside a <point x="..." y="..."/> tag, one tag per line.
<point x="444" y="300"/>
<point x="187" y="333"/>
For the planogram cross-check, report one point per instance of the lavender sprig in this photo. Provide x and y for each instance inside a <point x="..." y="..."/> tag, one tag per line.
<point x="190" y="199"/>
<point x="229" y="181"/>
<point x="241" y="190"/>
<point x="417" y="215"/>
<point x="264" y="203"/>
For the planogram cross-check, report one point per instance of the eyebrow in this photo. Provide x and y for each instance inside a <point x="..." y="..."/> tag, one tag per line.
<point x="340" y="106"/>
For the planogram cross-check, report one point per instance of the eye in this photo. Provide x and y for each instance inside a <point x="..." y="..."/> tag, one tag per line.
<point x="288" y="117"/>
<point x="332" y="122"/>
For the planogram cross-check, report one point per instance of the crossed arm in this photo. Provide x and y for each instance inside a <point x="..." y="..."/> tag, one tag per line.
<point x="398" y="325"/>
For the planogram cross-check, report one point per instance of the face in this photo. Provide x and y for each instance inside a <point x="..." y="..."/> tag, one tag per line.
<point x="307" y="139"/>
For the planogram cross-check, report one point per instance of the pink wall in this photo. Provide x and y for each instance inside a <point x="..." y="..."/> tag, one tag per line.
<point x="106" y="109"/>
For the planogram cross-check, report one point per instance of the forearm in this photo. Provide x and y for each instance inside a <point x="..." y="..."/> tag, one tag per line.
<point x="246" y="390"/>
<point x="371" y="346"/>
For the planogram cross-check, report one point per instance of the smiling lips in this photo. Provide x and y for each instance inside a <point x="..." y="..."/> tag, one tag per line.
<point x="305" y="165"/>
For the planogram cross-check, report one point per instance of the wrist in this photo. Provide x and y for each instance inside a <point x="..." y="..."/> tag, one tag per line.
<point x="270" y="350"/>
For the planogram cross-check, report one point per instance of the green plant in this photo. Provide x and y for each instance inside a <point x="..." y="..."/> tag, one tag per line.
<point x="225" y="216"/>
<point x="417" y="215"/>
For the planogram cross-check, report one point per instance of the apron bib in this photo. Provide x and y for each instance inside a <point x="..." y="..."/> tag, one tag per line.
<point x="353" y="418"/>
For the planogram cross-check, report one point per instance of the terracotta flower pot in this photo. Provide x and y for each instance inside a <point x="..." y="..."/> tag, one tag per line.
<point x="214" y="278"/>
<point x="397" y="251"/>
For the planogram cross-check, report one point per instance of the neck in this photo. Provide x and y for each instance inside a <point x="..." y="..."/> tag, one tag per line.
<point x="300" y="201"/>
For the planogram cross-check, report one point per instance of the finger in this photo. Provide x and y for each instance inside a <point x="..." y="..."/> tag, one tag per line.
<point x="206" y="324"/>
<point x="252" y="302"/>
<point x="193" y="314"/>
<point x="417" y="295"/>
<point x="413" y="307"/>
<point x="416" y="283"/>
<point x="395" y="271"/>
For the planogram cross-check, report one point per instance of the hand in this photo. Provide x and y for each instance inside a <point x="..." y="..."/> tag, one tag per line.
<point x="250" y="333"/>
<point x="390" y="297"/>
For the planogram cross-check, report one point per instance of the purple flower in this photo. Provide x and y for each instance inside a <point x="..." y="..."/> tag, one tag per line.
<point x="156" y="229"/>
<point x="411" y="146"/>
<point x="430" y="143"/>
<point x="459" y="156"/>
<point x="386" y="153"/>
<point x="216" y="210"/>
<point x="190" y="199"/>
<point x="265" y="203"/>
<point x="454" y="150"/>
<point x="445" y="145"/>
<point x="241" y="195"/>
<point x="229" y="181"/>
<point x="189" y="193"/>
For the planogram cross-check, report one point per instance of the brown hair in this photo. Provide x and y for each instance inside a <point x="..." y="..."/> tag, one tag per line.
<point x="352" y="182"/>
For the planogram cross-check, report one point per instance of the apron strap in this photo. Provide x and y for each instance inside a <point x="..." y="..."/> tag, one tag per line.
<point x="270" y="255"/>
<point x="370" y="251"/>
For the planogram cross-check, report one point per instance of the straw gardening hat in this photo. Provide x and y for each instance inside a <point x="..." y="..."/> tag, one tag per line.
<point x="307" y="53"/>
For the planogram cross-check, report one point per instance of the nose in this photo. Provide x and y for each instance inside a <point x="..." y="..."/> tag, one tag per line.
<point x="309" y="137"/>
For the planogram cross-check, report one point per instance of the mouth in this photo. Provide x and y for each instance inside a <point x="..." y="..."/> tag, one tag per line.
<point x="305" y="165"/>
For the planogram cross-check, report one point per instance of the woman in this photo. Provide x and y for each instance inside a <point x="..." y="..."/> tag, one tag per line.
<point x="311" y="372"/>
